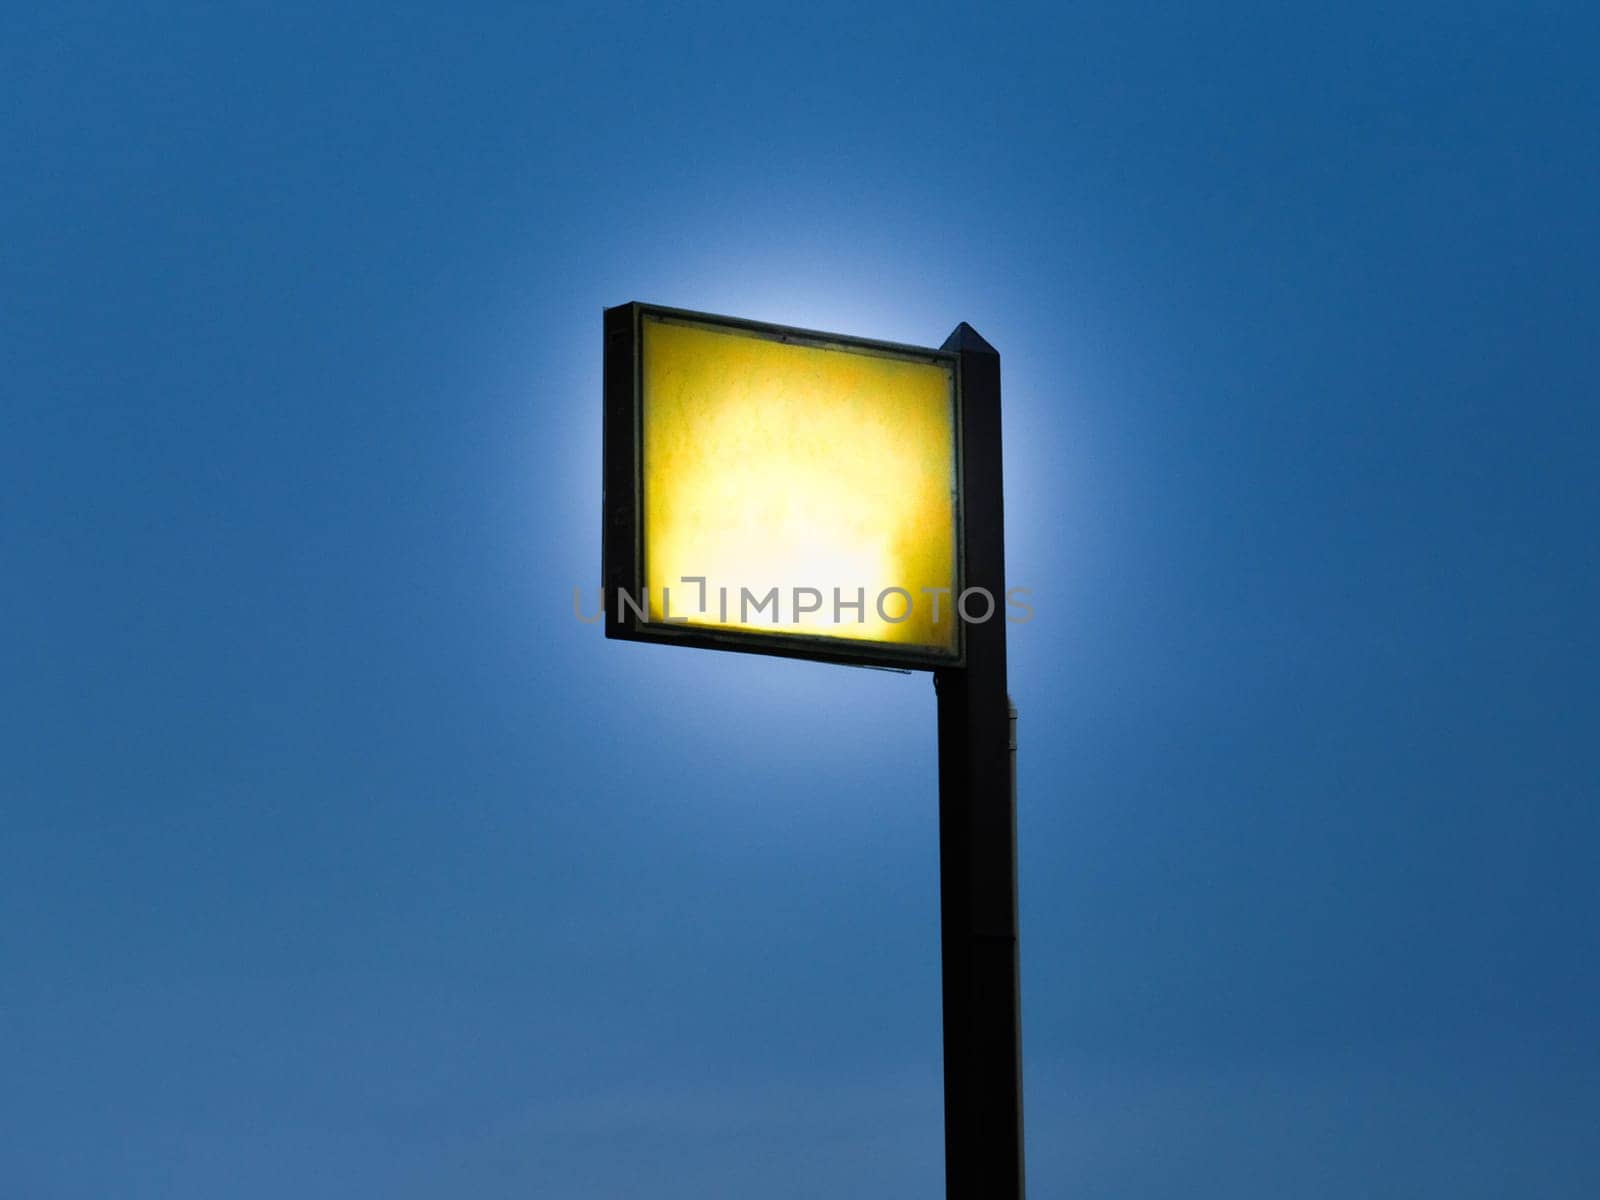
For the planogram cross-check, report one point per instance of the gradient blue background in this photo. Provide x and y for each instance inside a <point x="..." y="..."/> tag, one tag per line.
<point x="339" y="860"/>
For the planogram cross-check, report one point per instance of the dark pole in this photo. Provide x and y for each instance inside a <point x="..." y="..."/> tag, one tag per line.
<point x="978" y="829"/>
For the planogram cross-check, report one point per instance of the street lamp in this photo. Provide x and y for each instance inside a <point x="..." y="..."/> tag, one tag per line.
<point x="782" y="491"/>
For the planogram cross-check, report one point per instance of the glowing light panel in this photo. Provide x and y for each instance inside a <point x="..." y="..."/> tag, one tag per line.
<point x="768" y="463"/>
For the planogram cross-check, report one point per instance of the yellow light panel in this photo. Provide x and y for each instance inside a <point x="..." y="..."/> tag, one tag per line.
<point x="771" y="464"/>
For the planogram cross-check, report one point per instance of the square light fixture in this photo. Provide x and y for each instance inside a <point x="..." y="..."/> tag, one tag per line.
<point x="781" y="491"/>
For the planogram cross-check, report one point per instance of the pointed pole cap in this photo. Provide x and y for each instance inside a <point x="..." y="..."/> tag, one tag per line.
<point x="965" y="338"/>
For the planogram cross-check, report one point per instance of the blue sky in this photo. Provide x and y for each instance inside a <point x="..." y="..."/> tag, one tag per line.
<point x="337" y="859"/>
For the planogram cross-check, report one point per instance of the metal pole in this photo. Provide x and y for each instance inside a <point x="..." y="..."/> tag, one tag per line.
<point x="978" y="829"/>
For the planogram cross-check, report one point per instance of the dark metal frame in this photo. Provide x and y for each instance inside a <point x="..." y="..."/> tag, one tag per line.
<point x="622" y="543"/>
